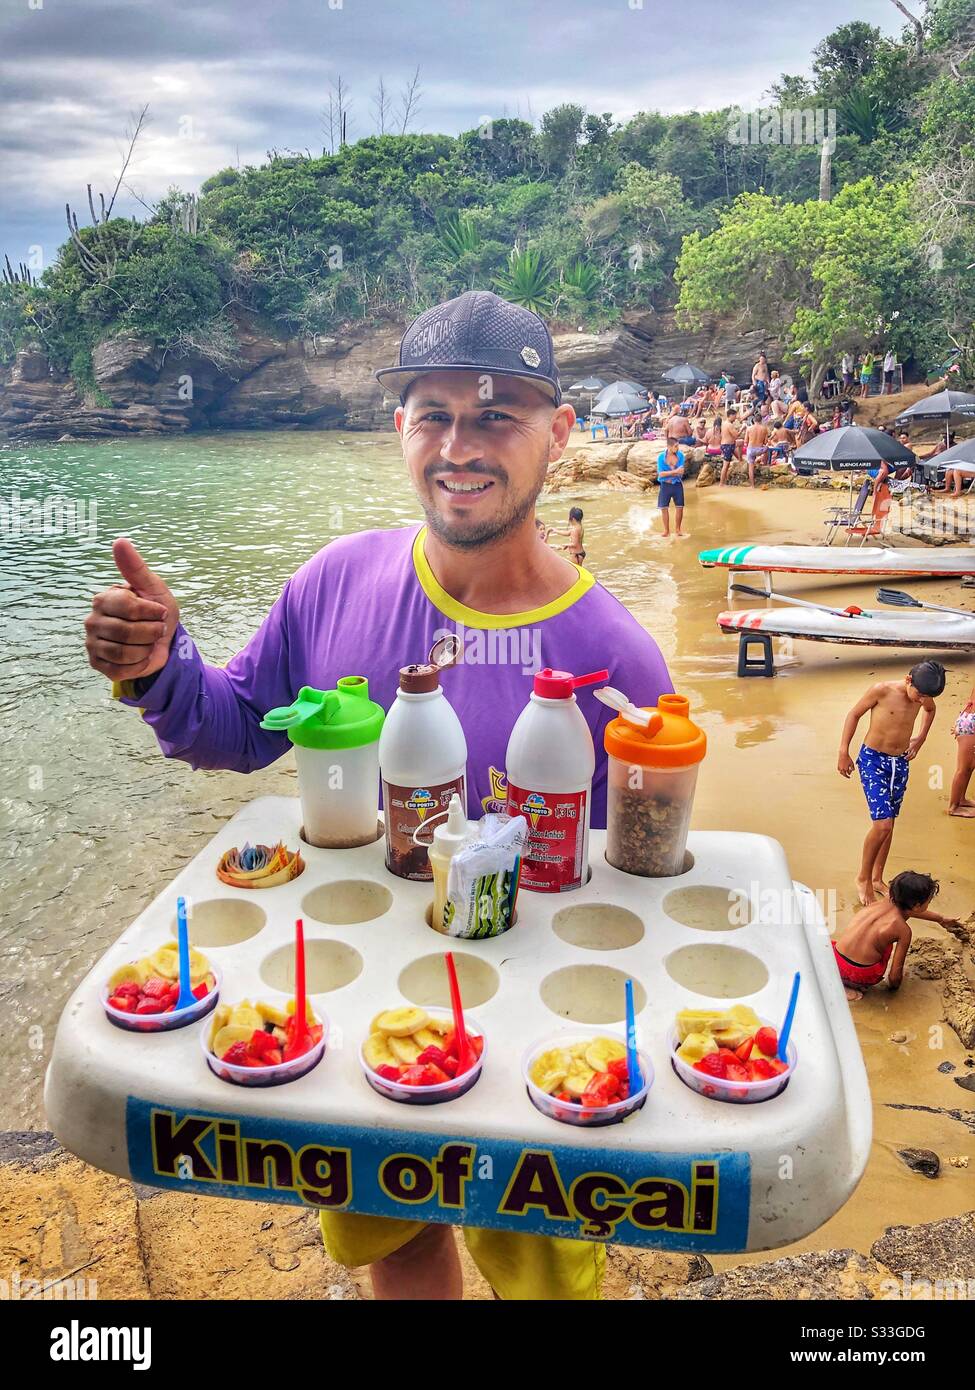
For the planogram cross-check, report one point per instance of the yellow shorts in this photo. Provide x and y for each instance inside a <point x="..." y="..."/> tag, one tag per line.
<point x="520" y="1268"/>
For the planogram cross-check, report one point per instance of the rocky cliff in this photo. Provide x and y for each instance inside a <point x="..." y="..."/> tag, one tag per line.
<point x="323" y="382"/>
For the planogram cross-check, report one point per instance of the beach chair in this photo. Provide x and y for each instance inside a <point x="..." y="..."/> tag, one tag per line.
<point x="875" y="527"/>
<point x="842" y="518"/>
<point x="595" y="425"/>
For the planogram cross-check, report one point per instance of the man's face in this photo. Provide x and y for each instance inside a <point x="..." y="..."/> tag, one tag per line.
<point x="478" y="448"/>
<point x="913" y="693"/>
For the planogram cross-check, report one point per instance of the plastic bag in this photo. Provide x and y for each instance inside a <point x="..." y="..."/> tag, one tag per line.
<point x="482" y="883"/>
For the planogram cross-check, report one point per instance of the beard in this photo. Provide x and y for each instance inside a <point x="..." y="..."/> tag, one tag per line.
<point x="473" y="534"/>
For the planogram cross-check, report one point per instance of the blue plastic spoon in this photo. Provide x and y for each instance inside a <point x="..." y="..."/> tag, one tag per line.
<point x="786" y="1028"/>
<point x="632" y="1061"/>
<point x="186" y="996"/>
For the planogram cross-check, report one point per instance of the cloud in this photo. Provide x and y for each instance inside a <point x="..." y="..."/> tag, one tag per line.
<point x="226" y="81"/>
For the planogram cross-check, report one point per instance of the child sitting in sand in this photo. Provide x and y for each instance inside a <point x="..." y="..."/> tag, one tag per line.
<point x="880" y="929"/>
<point x="884" y="758"/>
<point x="964" y="733"/>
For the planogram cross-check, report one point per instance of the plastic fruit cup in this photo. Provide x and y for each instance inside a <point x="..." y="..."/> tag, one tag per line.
<point x="163" y="1022"/>
<point x="278" y="1074"/>
<point x="429" y="1095"/>
<point x="593" y="1116"/>
<point x="735" y="1092"/>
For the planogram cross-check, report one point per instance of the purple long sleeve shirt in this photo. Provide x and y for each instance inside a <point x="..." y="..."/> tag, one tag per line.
<point x="368" y="604"/>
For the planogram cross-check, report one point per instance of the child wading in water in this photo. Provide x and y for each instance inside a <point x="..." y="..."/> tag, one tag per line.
<point x="884" y="757"/>
<point x="880" y="929"/>
<point x="964" y="732"/>
<point x="576" y="535"/>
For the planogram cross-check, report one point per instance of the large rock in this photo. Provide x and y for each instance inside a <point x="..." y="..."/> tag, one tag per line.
<point x="814" y="1275"/>
<point x="642" y="459"/>
<point x="938" y="1250"/>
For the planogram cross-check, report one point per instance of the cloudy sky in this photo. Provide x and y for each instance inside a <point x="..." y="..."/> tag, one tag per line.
<point x="226" y="80"/>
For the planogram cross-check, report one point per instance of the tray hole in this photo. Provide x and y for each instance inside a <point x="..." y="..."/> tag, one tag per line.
<point x="347" y="901"/>
<point x="598" y="926"/>
<point x="355" y="843"/>
<point x="424" y="981"/>
<point x="706" y="907"/>
<point x="590" y="993"/>
<point x="328" y="965"/>
<point x="222" y="921"/>
<point x="722" y="972"/>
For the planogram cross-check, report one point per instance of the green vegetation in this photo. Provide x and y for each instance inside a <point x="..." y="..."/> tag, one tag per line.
<point x="581" y="218"/>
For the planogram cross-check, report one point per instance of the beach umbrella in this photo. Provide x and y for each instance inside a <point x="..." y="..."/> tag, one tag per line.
<point x="619" y="399"/>
<point x="943" y="405"/>
<point x="962" y="454"/>
<point x="686" y="375"/>
<point x="592" y="384"/>
<point x="852" y="447"/>
<point x="632" y="386"/>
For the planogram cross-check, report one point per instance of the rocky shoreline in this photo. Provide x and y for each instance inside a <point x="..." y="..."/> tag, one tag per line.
<point x="321" y="382"/>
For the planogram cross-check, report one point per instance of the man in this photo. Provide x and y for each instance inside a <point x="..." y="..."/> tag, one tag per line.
<point x="480" y="419"/>
<point x="756" y="441"/>
<point x="677" y="428"/>
<point x="890" y="364"/>
<point x="729" y="441"/>
<point x="760" y="377"/>
<point x="846" y="370"/>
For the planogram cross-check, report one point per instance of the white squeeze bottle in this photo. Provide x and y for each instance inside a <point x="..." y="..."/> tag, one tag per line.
<point x="550" y="765"/>
<point x="422" y="761"/>
<point x="449" y="837"/>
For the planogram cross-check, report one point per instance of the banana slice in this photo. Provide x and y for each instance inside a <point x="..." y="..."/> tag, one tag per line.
<point x="550" y="1069"/>
<point x="400" y="1023"/>
<point x="577" y="1081"/>
<point x="602" y="1051"/>
<point x="439" y="1025"/>
<point x="695" y="1046"/>
<point x="377" y="1053"/>
<point x="219" y="1019"/>
<point x="403" y="1049"/>
<point x="165" y="962"/>
<point x="244" y="1015"/>
<point x="701" y="1021"/>
<point x="229" y="1034"/>
<point x="426" y="1037"/>
<point x="309" y="1011"/>
<point x="271" y="1015"/>
<point x="135" y="974"/>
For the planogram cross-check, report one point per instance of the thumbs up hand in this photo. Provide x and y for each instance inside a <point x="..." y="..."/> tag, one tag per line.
<point x="130" y="627"/>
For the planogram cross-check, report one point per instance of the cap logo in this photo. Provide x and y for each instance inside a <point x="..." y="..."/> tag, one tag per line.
<point x="430" y="336"/>
<point x="530" y="357"/>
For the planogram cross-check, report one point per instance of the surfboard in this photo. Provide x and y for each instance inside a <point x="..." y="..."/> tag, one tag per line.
<point x="874" y="627"/>
<point x="948" y="561"/>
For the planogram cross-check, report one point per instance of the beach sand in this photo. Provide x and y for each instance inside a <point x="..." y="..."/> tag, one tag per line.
<point x="781" y="736"/>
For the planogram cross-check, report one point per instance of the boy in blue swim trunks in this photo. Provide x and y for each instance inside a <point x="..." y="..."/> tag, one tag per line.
<point x="884" y="758"/>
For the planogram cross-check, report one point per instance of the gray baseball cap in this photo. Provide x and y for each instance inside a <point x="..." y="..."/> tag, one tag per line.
<point x="476" y="332"/>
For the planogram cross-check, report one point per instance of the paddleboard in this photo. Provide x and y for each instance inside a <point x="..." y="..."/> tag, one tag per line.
<point x="824" y="559"/>
<point x="874" y="627"/>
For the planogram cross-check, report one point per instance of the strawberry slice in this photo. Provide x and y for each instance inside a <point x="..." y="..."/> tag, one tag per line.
<point x="125" y="1003"/>
<point x="237" y="1055"/>
<point x="767" y="1041"/>
<point x="156" y="988"/>
<point x="745" y="1050"/>
<point x="387" y="1072"/>
<point x="434" y="1055"/>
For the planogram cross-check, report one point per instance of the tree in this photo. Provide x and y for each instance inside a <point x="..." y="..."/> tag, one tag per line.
<point x="822" y="276"/>
<point x="845" y="56"/>
<point x="561" y="131"/>
<point x="409" y="102"/>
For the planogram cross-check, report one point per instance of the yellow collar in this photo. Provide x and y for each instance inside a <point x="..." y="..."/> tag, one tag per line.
<point x="470" y="617"/>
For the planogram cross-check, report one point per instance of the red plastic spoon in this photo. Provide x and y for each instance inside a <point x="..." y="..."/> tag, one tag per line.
<point x="300" y="1041"/>
<point x="465" y="1053"/>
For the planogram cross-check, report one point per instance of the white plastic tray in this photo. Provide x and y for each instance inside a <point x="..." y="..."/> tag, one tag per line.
<point x="683" y="1173"/>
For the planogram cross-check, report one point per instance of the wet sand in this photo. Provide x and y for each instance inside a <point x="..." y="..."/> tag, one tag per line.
<point x="771" y="769"/>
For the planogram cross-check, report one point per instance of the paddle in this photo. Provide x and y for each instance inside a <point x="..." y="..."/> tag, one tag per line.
<point x="898" y="599"/>
<point x="852" y="612"/>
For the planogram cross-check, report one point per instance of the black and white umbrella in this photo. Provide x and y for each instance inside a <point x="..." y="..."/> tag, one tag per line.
<point x="853" y="447"/>
<point x="959" y="456"/>
<point x="592" y="384"/>
<point x="943" y="405"/>
<point x="686" y="375"/>
<point x="619" y="399"/>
